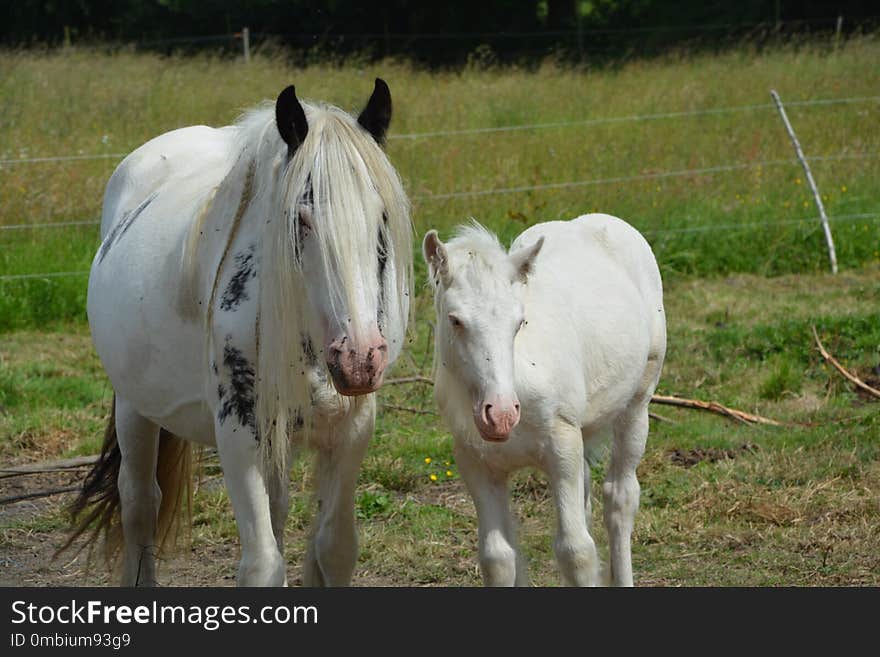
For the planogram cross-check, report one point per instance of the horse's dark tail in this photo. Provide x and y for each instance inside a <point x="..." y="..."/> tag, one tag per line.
<point x="96" y="510"/>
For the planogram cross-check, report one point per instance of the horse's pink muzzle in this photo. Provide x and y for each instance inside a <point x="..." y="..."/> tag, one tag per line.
<point x="357" y="369"/>
<point x="496" y="416"/>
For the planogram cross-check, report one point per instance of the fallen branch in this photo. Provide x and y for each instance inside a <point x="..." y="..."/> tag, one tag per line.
<point x="660" y="418"/>
<point x="408" y="409"/>
<point x="715" y="407"/>
<point x="840" y="368"/>
<point x="409" y="379"/>
<point x="39" y="493"/>
<point x="48" y="466"/>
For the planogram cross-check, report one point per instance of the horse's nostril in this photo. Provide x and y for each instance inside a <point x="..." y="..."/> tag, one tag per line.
<point x="487" y="417"/>
<point x="516" y="407"/>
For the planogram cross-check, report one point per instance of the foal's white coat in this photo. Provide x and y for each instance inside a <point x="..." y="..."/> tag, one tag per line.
<point x="570" y="327"/>
<point x="231" y="264"/>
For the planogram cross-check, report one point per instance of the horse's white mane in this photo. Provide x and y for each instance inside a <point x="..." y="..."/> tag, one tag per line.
<point x="343" y="166"/>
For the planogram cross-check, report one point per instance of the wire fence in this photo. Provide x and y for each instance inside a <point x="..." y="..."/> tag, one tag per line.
<point x="645" y="176"/>
<point x="705" y="171"/>
<point x="646" y="232"/>
<point x="433" y="197"/>
<point x="634" y="118"/>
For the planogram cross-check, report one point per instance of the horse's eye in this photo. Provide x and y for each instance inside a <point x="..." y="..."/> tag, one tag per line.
<point x="305" y="217"/>
<point x="455" y="321"/>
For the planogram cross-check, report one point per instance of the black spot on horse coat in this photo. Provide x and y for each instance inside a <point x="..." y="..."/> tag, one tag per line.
<point x="238" y="398"/>
<point x="236" y="290"/>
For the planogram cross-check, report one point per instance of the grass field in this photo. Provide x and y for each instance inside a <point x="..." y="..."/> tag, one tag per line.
<point x="722" y="503"/>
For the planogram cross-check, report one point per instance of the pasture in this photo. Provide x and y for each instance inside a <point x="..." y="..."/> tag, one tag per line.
<point x="717" y="194"/>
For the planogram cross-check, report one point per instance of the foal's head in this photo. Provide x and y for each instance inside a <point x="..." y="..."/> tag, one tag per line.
<point x="348" y="225"/>
<point x="477" y="295"/>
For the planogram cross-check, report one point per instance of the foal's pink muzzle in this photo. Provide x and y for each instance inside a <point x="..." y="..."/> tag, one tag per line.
<point x="357" y="369"/>
<point x="496" y="416"/>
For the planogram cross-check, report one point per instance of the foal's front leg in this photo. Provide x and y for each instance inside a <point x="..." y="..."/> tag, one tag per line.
<point x="261" y="562"/>
<point x="501" y="562"/>
<point x="574" y="547"/>
<point x="333" y="548"/>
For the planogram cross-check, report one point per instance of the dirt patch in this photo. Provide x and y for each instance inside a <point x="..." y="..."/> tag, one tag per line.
<point x="688" y="458"/>
<point x="31" y="530"/>
<point x="873" y="380"/>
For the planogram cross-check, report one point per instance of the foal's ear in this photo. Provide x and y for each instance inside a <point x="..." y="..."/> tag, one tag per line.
<point x="291" y="119"/>
<point x="376" y="116"/>
<point x="435" y="256"/>
<point x="524" y="260"/>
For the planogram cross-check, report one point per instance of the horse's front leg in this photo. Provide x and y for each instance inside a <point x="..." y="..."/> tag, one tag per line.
<point x="501" y="562"/>
<point x="279" y="505"/>
<point x="333" y="548"/>
<point x="574" y="547"/>
<point x="261" y="561"/>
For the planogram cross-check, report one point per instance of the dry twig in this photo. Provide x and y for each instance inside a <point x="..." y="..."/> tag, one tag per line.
<point x="409" y="379"/>
<point x="715" y="407"/>
<point x="48" y="466"/>
<point x="409" y="409"/>
<point x="39" y="493"/>
<point x="840" y="368"/>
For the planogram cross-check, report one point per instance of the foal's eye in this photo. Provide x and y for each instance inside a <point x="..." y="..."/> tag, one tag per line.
<point x="455" y="321"/>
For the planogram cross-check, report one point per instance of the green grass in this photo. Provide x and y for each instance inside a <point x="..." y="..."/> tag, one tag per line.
<point x="89" y="102"/>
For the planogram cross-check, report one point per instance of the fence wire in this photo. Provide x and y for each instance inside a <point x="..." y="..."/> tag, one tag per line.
<point x="647" y="232"/>
<point x="414" y="136"/>
<point x="554" y="185"/>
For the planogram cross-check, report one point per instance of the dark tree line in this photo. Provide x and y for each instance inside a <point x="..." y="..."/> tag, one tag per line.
<point x="433" y="31"/>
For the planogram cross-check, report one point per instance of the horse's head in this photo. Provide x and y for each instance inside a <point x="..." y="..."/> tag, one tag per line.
<point x="347" y="219"/>
<point x="477" y="290"/>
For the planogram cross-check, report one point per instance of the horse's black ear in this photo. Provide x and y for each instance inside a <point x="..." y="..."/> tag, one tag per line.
<point x="291" y="119"/>
<point x="376" y="116"/>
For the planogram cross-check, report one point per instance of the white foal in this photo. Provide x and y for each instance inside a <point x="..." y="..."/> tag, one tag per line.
<point x="538" y="353"/>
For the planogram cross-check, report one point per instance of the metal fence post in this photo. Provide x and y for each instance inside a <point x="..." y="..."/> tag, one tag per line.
<point x="832" y="256"/>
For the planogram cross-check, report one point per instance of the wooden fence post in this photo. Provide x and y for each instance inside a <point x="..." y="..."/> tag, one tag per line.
<point x="246" y="43"/>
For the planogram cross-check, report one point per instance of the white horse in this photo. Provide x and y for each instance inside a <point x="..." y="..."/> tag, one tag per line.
<point x="251" y="288"/>
<point x="537" y="354"/>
